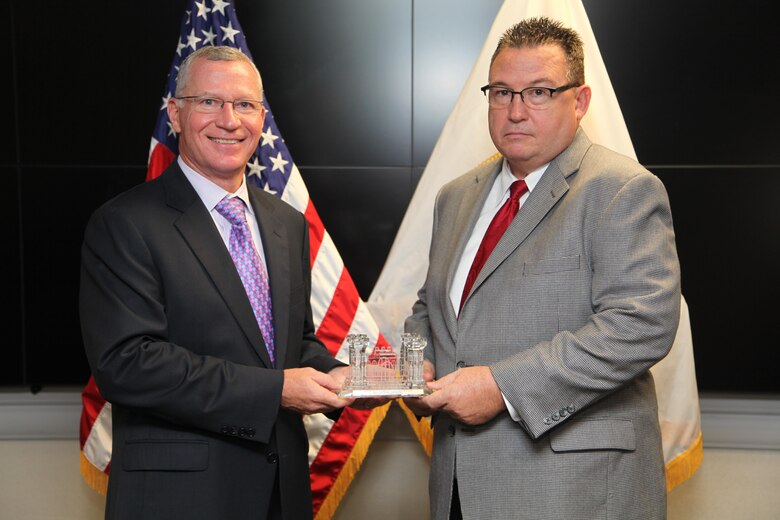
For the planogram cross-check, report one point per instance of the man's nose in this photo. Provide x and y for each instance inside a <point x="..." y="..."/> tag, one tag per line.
<point x="517" y="108"/>
<point x="227" y="117"/>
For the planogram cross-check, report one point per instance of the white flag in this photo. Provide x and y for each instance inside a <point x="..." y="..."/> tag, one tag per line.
<point x="463" y="144"/>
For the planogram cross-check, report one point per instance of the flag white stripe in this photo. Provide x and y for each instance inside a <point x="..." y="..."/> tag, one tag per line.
<point x="325" y="276"/>
<point x="295" y="192"/>
<point x="97" y="447"/>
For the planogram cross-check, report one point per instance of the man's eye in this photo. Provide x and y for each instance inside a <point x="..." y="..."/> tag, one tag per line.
<point x="502" y="93"/>
<point x="535" y="92"/>
<point x="208" y="102"/>
<point x="244" y="105"/>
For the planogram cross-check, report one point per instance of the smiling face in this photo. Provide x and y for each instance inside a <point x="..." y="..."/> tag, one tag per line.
<point x="531" y="138"/>
<point x="218" y="145"/>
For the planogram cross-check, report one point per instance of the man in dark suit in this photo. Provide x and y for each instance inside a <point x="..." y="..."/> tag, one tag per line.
<point x="207" y="378"/>
<point x="545" y="407"/>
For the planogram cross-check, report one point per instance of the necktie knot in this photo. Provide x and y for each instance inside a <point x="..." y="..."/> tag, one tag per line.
<point x="233" y="209"/>
<point x="517" y="189"/>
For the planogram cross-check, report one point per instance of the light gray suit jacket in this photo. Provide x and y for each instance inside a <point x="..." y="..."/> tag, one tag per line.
<point x="577" y="301"/>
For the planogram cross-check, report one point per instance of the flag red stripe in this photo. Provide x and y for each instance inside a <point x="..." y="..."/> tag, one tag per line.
<point x="161" y="158"/>
<point x="92" y="403"/>
<point x="316" y="230"/>
<point x="334" y="452"/>
<point x="340" y="314"/>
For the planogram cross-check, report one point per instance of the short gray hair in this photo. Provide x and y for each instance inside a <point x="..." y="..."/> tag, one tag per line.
<point x="212" y="53"/>
<point x="536" y="32"/>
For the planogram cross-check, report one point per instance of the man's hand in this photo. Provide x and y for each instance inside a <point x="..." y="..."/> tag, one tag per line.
<point x="340" y="374"/>
<point x="470" y="395"/>
<point x="419" y="405"/>
<point x="308" y="391"/>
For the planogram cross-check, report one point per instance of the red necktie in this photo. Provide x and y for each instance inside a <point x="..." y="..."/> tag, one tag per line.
<point x="493" y="234"/>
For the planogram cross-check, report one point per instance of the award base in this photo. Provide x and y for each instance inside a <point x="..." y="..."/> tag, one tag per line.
<point x="386" y="372"/>
<point x="348" y="392"/>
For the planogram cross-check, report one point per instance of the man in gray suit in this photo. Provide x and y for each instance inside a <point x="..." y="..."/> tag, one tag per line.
<point x="544" y="406"/>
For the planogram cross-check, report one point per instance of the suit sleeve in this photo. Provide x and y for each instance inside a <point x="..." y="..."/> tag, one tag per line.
<point x="125" y="328"/>
<point x="635" y="300"/>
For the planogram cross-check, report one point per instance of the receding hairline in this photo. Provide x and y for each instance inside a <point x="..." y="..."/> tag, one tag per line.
<point x="213" y="53"/>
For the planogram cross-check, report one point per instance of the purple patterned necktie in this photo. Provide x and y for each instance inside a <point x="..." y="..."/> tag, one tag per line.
<point x="250" y="267"/>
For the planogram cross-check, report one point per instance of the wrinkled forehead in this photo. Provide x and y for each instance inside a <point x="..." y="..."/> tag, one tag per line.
<point x="234" y="74"/>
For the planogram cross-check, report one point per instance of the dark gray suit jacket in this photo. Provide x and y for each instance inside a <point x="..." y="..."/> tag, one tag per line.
<point x="198" y="432"/>
<point x="578" y="300"/>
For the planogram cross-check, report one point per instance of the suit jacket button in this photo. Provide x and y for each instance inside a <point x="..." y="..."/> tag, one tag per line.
<point x="460" y="364"/>
<point x="250" y="432"/>
<point x="563" y="412"/>
<point x="242" y="432"/>
<point x="272" y="457"/>
<point x="571" y="408"/>
<point x="451" y="430"/>
<point x="225" y="430"/>
<point x="547" y="421"/>
<point x="556" y="416"/>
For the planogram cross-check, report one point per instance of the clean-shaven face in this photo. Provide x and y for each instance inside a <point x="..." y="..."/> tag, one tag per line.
<point x="529" y="138"/>
<point x="218" y="145"/>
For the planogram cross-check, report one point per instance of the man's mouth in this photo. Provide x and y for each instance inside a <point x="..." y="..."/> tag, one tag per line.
<point x="224" y="141"/>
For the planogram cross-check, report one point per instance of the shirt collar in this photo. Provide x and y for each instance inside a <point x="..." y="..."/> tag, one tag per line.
<point x="506" y="178"/>
<point x="209" y="192"/>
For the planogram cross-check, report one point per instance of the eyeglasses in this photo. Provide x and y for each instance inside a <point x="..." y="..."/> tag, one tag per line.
<point x="533" y="97"/>
<point x="212" y="105"/>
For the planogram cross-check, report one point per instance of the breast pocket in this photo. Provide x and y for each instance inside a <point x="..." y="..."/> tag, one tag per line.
<point x="552" y="265"/>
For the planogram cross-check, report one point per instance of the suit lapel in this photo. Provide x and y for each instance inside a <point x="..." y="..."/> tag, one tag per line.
<point x="469" y="207"/>
<point x="198" y="230"/>
<point x="276" y="251"/>
<point x="548" y="191"/>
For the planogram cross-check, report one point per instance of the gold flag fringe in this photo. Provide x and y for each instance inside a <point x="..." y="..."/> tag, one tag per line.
<point x="353" y="463"/>
<point x="95" y="478"/>
<point x="684" y="465"/>
<point x="421" y="427"/>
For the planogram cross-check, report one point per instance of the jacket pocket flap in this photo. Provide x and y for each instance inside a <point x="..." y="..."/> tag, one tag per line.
<point x="159" y="455"/>
<point x="606" y="434"/>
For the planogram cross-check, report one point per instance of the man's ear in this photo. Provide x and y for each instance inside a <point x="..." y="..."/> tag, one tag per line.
<point x="173" y="114"/>
<point x="582" y="101"/>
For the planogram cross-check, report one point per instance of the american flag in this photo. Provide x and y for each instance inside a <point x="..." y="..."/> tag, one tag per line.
<point x="336" y="449"/>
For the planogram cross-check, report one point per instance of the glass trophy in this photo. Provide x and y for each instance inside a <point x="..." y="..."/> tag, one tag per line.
<point x="386" y="371"/>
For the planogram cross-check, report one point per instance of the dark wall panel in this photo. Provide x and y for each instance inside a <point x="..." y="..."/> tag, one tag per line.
<point x="727" y="223"/>
<point x="11" y="367"/>
<point x="362" y="209"/>
<point x="696" y="80"/>
<point x="54" y="221"/>
<point x="91" y="78"/>
<point x="337" y="76"/>
<point x="8" y="145"/>
<point x="445" y="49"/>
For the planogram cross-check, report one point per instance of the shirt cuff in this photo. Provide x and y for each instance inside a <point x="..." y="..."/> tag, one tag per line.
<point x="511" y="409"/>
